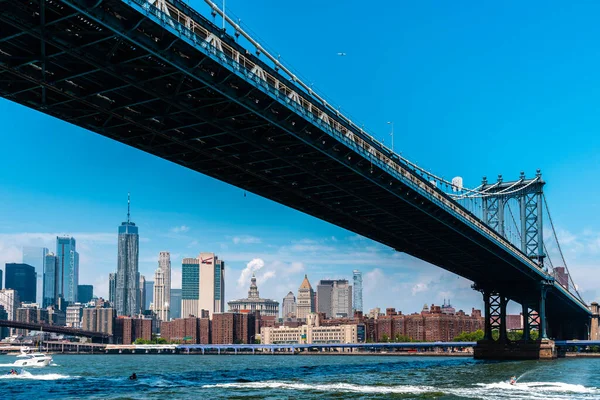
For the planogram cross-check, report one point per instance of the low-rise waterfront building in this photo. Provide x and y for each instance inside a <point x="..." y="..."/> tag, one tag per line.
<point x="310" y="333"/>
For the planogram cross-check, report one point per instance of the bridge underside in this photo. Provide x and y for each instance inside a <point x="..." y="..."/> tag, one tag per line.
<point x="99" y="336"/>
<point x="115" y="72"/>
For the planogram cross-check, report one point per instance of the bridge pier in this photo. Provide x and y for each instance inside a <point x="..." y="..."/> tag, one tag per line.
<point x="594" y="331"/>
<point x="501" y="347"/>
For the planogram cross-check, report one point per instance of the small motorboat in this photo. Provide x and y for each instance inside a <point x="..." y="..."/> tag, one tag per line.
<point x="27" y="359"/>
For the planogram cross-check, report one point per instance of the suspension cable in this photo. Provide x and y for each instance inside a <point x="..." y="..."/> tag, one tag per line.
<point x="560" y="249"/>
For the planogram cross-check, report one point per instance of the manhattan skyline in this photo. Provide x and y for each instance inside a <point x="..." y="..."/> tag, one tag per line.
<point x="187" y="213"/>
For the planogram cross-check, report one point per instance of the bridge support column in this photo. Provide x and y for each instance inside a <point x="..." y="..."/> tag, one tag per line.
<point x="526" y="322"/>
<point x="542" y="312"/>
<point x="502" y="337"/>
<point x="495" y="314"/>
<point x="488" y="317"/>
<point x="594" y="331"/>
<point x="495" y="319"/>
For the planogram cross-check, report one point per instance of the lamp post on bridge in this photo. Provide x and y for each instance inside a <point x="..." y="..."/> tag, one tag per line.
<point x="392" y="133"/>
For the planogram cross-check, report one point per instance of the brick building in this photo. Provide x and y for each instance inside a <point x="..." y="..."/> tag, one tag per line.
<point x="186" y="330"/>
<point x="222" y="328"/>
<point x="231" y="328"/>
<point x="98" y="319"/>
<point x="128" y="329"/>
<point x="30" y="314"/>
<point x="431" y="325"/>
<point x="514" y="322"/>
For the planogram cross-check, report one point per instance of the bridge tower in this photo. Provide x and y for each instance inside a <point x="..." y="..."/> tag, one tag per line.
<point x="528" y="196"/>
<point x="528" y="193"/>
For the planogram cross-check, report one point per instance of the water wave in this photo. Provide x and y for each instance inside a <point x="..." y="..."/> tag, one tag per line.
<point x="552" y="387"/>
<point x="40" y="377"/>
<point x="498" y="390"/>
<point x="333" y="387"/>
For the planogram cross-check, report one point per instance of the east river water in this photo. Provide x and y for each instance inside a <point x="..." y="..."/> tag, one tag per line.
<point x="169" y="377"/>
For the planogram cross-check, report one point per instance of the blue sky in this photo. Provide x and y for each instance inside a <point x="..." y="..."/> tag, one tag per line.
<point x="473" y="90"/>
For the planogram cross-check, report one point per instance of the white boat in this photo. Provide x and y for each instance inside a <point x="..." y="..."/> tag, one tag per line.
<point x="26" y="359"/>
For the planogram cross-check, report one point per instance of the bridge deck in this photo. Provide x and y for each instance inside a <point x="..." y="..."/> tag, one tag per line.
<point x="53" y="328"/>
<point x="133" y="74"/>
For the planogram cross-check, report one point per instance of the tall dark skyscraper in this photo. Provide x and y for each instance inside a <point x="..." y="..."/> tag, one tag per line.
<point x="68" y="268"/>
<point x="50" y="297"/>
<point x="149" y="294"/>
<point x="35" y="256"/>
<point x="112" y="288"/>
<point x="0" y="279"/>
<point x="85" y="293"/>
<point x="21" y="277"/>
<point x="175" y="303"/>
<point x="357" y="300"/>
<point x="128" y="277"/>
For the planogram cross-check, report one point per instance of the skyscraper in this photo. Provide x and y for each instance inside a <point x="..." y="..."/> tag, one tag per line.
<point x="334" y="298"/>
<point x="306" y="299"/>
<point x="288" y="308"/>
<point x="9" y="299"/>
<point x="68" y="268"/>
<point x="85" y="293"/>
<point x="0" y="279"/>
<point x="175" y="303"/>
<point x="35" y="256"/>
<point x="21" y="277"/>
<point x="357" y="298"/>
<point x="149" y="294"/>
<point x="341" y="299"/>
<point x="112" y="288"/>
<point x="190" y="287"/>
<point x="203" y="285"/>
<point x="128" y="276"/>
<point x="142" y="294"/>
<point x="162" y="286"/>
<point x="212" y="283"/>
<point x="50" y="280"/>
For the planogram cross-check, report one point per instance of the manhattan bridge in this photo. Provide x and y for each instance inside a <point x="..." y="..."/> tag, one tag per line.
<point x="199" y="91"/>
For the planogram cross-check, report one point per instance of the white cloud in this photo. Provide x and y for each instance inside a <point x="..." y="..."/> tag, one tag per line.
<point x="246" y="239"/>
<point x="268" y="275"/>
<point x="253" y="266"/>
<point x="295" y="267"/>
<point x="419" y="287"/>
<point x="180" y="229"/>
<point x="372" y="280"/>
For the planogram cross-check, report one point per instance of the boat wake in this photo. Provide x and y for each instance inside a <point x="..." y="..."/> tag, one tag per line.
<point x="333" y="387"/>
<point x="488" y="391"/>
<point x="40" y="377"/>
<point x="552" y="387"/>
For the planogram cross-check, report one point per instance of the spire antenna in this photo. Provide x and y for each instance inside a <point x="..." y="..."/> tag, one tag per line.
<point x="128" y="207"/>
